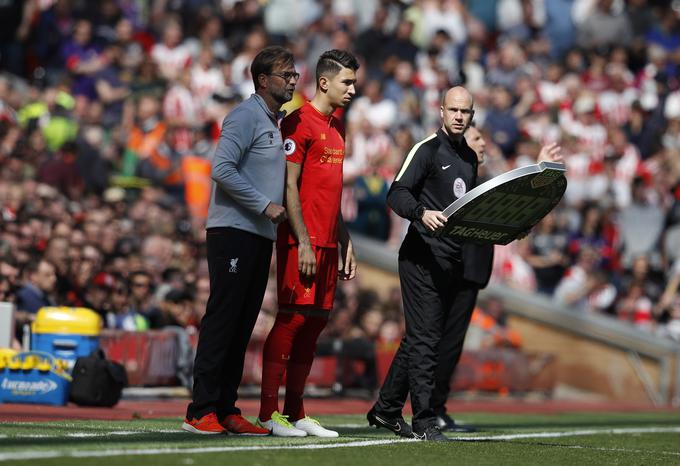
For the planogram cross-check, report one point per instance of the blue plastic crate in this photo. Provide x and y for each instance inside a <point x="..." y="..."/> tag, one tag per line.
<point x="66" y="332"/>
<point x="65" y="346"/>
<point x="34" y="377"/>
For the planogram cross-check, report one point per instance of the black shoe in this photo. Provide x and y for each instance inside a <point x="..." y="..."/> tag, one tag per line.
<point x="446" y="424"/>
<point x="395" y="424"/>
<point x="431" y="434"/>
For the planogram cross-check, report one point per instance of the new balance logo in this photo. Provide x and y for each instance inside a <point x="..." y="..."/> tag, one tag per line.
<point x="444" y="167"/>
<point x="233" y="264"/>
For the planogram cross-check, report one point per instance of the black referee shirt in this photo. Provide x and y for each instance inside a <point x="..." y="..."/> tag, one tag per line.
<point x="436" y="172"/>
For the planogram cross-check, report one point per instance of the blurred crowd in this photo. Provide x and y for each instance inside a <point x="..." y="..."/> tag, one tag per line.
<point x="110" y="111"/>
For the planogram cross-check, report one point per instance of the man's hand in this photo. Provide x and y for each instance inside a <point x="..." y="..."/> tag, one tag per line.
<point x="276" y="213"/>
<point x="433" y="219"/>
<point x="348" y="263"/>
<point x="550" y="153"/>
<point x="306" y="260"/>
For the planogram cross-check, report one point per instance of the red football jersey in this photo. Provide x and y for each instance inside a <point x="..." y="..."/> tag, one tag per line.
<point x="317" y="142"/>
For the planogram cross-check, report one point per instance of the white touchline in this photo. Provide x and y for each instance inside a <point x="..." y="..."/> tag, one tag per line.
<point x="572" y="433"/>
<point x="28" y="455"/>
<point x="625" y="450"/>
<point x="98" y="434"/>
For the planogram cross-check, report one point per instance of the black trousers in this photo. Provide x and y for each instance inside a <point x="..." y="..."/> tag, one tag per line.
<point x="238" y="263"/>
<point x="438" y="305"/>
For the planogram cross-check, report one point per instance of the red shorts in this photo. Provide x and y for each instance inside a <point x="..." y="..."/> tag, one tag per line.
<point x="295" y="292"/>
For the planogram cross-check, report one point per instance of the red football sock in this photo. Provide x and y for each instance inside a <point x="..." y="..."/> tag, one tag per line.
<point x="275" y="357"/>
<point x="301" y="358"/>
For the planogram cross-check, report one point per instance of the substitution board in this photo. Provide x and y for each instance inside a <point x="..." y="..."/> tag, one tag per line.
<point x="499" y="210"/>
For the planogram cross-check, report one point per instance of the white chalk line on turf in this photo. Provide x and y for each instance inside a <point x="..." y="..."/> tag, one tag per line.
<point x="28" y="455"/>
<point x="622" y="450"/>
<point x="96" y="434"/>
<point x="571" y="433"/>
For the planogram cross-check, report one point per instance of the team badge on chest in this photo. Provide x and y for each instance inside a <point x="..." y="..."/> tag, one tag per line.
<point x="459" y="188"/>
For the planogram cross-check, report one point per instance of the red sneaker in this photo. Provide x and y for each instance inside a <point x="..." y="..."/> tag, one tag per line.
<point x="208" y="425"/>
<point x="238" y="425"/>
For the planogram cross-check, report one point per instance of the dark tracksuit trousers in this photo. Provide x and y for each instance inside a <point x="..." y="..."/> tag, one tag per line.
<point x="438" y="305"/>
<point x="238" y="264"/>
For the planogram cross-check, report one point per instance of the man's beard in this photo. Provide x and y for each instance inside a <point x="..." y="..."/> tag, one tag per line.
<point x="283" y="97"/>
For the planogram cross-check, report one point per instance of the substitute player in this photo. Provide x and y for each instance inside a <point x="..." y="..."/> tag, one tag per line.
<point x="308" y="245"/>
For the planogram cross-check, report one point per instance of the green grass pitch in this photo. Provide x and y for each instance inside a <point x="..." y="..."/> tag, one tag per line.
<point x="503" y="439"/>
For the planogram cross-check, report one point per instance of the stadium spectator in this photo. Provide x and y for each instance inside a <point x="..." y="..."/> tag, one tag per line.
<point x="548" y="253"/>
<point x="584" y="286"/>
<point x="641" y="225"/>
<point x="61" y="172"/>
<point x="111" y="89"/>
<point x="132" y="50"/>
<point x="171" y="55"/>
<point x="121" y="315"/>
<point x="500" y="123"/>
<point x="97" y="295"/>
<point x="601" y="23"/>
<point x="400" y="45"/>
<point x="9" y="275"/>
<point x="175" y="310"/>
<point x="594" y="232"/>
<point x="82" y="58"/>
<point x="488" y="328"/>
<point x="511" y="267"/>
<point x="142" y="298"/>
<point x="36" y="292"/>
<point x="38" y="288"/>
<point x="366" y="42"/>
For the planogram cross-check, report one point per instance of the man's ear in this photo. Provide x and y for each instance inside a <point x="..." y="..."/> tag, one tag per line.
<point x="323" y="83"/>
<point x="262" y="79"/>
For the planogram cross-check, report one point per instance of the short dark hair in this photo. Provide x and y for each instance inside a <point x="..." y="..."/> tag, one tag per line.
<point x="34" y="264"/>
<point x="267" y="59"/>
<point x="139" y="273"/>
<point x="332" y="61"/>
<point x="178" y="296"/>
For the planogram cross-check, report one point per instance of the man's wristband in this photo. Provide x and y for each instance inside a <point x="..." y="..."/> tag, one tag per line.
<point x="420" y="211"/>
